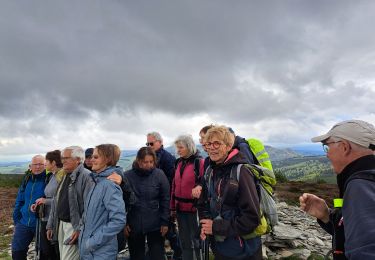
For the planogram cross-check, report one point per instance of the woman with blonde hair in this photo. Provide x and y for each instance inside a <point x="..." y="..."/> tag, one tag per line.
<point x="234" y="213"/>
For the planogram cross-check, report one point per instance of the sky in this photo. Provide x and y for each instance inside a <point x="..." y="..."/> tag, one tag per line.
<point x="91" y="72"/>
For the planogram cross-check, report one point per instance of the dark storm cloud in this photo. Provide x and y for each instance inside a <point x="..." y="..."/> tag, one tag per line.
<point x="65" y="61"/>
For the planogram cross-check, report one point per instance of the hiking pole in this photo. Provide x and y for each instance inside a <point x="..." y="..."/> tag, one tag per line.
<point x="37" y="239"/>
<point x="39" y="215"/>
<point x="198" y="235"/>
<point x="206" y="248"/>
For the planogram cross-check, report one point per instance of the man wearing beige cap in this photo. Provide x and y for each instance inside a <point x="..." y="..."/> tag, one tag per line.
<point x="350" y="147"/>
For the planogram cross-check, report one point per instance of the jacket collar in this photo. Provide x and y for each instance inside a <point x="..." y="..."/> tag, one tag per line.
<point x="74" y="175"/>
<point x="363" y="163"/>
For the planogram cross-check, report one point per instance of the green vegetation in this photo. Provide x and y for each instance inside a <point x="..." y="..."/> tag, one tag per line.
<point x="280" y="176"/>
<point x="10" y="180"/>
<point x="306" y="169"/>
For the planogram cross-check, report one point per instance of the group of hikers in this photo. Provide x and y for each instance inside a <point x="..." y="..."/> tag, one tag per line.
<point x="80" y="205"/>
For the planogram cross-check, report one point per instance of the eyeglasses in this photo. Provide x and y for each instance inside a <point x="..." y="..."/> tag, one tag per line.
<point x="37" y="164"/>
<point x="151" y="143"/>
<point x="326" y="146"/>
<point x="214" y="144"/>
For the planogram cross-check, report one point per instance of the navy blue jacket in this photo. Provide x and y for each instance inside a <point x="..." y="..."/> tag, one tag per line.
<point x="166" y="162"/>
<point x="354" y="224"/>
<point x="151" y="208"/>
<point x="243" y="146"/>
<point x="28" y="193"/>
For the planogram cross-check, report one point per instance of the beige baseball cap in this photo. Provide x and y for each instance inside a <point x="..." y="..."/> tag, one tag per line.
<point x="356" y="131"/>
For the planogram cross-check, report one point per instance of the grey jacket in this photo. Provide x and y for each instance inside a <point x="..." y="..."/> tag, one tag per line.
<point x="103" y="218"/>
<point x="49" y="192"/>
<point x="80" y="185"/>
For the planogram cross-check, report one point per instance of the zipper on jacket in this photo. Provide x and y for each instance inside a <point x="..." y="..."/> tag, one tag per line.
<point x="31" y="197"/>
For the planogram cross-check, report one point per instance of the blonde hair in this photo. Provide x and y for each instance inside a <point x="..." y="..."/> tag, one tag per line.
<point x="222" y="133"/>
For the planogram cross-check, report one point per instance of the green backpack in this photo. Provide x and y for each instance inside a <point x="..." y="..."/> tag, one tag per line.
<point x="260" y="153"/>
<point x="265" y="181"/>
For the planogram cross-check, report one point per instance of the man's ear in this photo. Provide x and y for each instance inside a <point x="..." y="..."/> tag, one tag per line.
<point x="347" y="147"/>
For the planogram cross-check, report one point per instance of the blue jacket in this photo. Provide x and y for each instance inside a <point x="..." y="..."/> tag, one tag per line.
<point x="31" y="189"/>
<point x="166" y="162"/>
<point x="151" y="209"/>
<point x="103" y="218"/>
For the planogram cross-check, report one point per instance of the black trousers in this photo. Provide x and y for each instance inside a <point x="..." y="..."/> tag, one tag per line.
<point x="48" y="250"/>
<point x="155" y="243"/>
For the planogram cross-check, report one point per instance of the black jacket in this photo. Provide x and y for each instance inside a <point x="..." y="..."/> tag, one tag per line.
<point x="166" y="162"/>
<point x="151" y="208"/>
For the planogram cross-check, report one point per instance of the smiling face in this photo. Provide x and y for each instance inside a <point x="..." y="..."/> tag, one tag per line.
<point x="217" y="149"/>
<point x="99" y="162"/>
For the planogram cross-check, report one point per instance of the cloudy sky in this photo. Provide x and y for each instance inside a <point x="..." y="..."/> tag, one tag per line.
<point x="91" y="72"/>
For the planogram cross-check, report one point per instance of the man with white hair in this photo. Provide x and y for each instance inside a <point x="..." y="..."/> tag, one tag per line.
<point x="31" y="189"/>
<point x="68" y="204"/>
<point x="350" y="147"/>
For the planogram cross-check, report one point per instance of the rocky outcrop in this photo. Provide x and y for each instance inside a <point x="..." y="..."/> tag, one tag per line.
<point x="297" y="234"/>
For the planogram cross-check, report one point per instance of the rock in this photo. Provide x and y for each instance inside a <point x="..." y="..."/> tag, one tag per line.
<point x="286" y="253"/>
<point x="286" y="232"/>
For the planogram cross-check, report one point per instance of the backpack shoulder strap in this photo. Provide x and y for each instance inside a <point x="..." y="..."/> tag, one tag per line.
<point x="197" y="166"/>
<point x="176" y="162"/>
<point x="25" y="180"/>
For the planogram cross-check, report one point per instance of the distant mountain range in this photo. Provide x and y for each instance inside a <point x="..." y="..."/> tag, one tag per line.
<point x="128" y="156"/>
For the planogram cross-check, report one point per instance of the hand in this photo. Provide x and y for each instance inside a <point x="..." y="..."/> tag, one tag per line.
<point x="163" y="230"/>
<point x="196" y="192"/>
<point x="206" y="228"/>
<point x="314" y="206"/>
<point x="127" y="230"/>
<point x="49" y="234"/>
<point x="115" y="177"/>
<point x="40" y="201"/>
<point x="74" y="237"/>
<point x="33" y="207"/>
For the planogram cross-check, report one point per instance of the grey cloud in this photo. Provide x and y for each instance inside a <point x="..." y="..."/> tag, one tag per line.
<point x="72" y="60"/>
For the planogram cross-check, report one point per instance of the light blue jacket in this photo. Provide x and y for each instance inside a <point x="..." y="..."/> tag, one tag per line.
<point x="103" y="218"/>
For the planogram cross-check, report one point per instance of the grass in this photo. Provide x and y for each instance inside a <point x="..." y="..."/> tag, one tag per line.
<point x="4" y="245"/>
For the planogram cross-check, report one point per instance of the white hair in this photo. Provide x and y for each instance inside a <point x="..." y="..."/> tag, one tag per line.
<point x="188" y="142"/>
<point x="77" y="152"/>
<point x="156" y="135"/>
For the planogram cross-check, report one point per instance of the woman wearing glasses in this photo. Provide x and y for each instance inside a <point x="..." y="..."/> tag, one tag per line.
<point x="148" y="216"/>
<point x="233" y="216"/>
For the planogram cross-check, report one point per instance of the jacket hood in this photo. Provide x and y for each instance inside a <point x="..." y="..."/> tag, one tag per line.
<point x="108" y="171"/>
<point x="238" y="140"/>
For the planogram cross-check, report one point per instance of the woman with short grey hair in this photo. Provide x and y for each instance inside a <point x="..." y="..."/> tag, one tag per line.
<point x="189" y="169"/>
